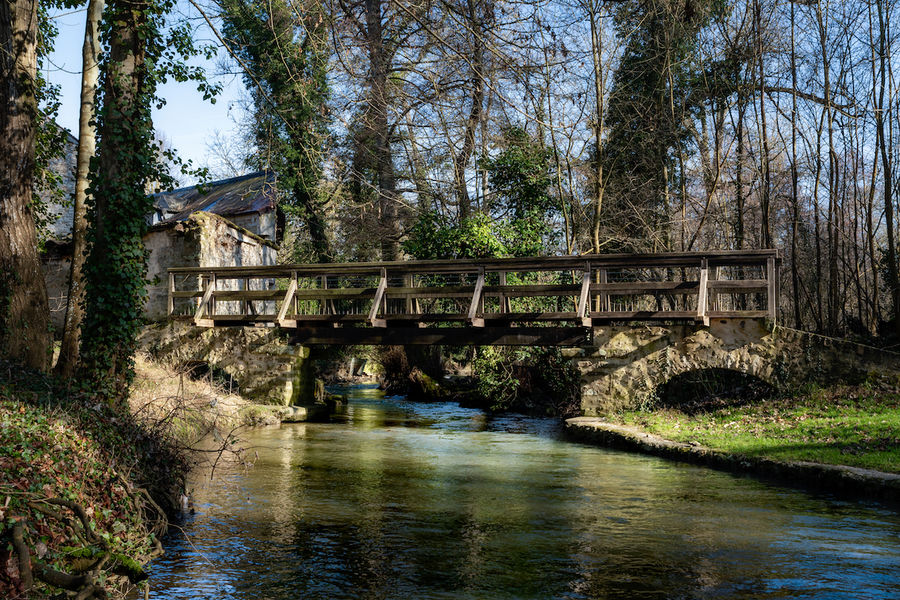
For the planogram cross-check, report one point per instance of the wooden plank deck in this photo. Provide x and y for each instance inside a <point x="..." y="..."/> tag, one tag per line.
<point x="531" y="301"/>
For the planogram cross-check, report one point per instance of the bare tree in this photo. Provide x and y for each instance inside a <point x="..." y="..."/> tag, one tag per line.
<point x="90" y="73"/>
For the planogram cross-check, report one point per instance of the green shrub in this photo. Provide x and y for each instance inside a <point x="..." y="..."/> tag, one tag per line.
<point x="532" y="380"/>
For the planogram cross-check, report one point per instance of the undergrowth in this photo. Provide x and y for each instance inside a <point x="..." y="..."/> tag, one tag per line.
<point x="530" y="380"/>
<point x="84" y="491"/>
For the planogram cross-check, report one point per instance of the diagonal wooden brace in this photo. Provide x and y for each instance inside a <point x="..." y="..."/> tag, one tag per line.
<point x="199" y="321"/>
<point x="286" y="303"/>
<point x="376" y="304"/>
<point x="472" y="318"/>
<point x="584" y="298"/>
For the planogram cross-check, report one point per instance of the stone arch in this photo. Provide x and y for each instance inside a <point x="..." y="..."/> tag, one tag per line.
<point x="705" y="389"/>
<point x="628" y="364"/>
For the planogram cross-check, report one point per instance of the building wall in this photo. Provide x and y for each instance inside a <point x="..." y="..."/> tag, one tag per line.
<point x="224" y="245"/>
<point x="177" y="246"/>
<point x="62" y="215"/>
<point x="205" y="240"/>
<point x="262" y="224"/>
<point x="56" y="275"/>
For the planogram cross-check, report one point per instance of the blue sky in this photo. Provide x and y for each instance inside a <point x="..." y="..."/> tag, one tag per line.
<point x="187" y="122"/>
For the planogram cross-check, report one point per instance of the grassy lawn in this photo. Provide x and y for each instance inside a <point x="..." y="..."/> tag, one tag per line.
<point x="842" y="425"/>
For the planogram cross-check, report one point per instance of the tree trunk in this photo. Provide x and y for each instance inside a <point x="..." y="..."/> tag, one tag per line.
<point x="115" y="269"/>
<point x="68" y="353"/>
<point x="832" y="299"/>
<point x="318" y="234"/>
<point x="461" y="160"/>
<point x="388" y="198"/>
<point x="887" y="163"/>
<point x="599" y="184"/>
<point x="766" y="184"/>
<point x="24" y="309"/>
<point x="795" y="179"/>
<point x="739" y="176"/>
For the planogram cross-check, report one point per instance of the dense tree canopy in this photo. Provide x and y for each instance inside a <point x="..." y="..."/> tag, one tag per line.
<point x="486" y="127"/>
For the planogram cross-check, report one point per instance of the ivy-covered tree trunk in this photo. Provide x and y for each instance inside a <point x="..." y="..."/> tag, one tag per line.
<point x="115" y="268"/>
<point x="24" y="309"/>
<point x="282" y="48"/>
<point x="90" y="74"/>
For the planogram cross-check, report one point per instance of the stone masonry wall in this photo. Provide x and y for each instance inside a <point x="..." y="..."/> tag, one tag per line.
<point x="205" y="240"/>
<point x="627" y="363"/>
<point x="266" y="369"/>
<point x="56" y="276"/>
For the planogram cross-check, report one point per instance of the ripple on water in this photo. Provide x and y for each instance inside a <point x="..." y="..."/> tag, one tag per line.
<point x="433" y="501"/>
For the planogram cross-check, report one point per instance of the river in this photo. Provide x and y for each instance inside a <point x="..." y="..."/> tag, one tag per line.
<point x="424" y="501"/>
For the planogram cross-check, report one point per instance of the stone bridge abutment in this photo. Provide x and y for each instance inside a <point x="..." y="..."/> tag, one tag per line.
<point x="626" y="364"/>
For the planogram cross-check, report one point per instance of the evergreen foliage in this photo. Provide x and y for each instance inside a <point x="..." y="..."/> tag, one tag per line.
<point x="655" y="89"/>
<point x="285" y="60"/>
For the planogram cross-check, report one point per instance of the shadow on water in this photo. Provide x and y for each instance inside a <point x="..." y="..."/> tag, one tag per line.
<point x="426" y="501"/>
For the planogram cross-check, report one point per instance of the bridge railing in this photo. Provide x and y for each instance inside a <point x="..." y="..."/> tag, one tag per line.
<point x="569" y="290"/>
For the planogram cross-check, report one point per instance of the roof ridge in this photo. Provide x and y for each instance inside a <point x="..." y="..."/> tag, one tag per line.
<point x="228" y="181"/>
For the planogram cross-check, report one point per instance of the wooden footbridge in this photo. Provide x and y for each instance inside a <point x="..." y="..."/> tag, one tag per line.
<point x="541" y="301"/>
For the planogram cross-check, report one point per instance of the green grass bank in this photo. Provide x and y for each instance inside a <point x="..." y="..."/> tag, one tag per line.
<point x="842" y="438"/>
<point x="857" y="426"/>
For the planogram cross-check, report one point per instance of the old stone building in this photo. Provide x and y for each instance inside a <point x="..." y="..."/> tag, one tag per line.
<point x="232" y="222"/>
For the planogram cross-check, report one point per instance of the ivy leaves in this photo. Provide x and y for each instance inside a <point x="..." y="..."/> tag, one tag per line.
<point x="139" y="54"/>
<point x="515" y="223"/>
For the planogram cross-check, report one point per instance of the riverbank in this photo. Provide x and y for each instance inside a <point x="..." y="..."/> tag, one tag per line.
<point x="86" y="491"/>
<point x="841" y="438"/>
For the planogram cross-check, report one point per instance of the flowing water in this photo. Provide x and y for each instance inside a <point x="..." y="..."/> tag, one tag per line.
<point x="422" y="501"/>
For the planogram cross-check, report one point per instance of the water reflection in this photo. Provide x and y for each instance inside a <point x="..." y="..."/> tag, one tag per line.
<point x="405" y="500"/>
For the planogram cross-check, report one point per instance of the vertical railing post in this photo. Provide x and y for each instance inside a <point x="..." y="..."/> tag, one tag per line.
<point x="481" y="296"/>
<point x="408" y="283"/>
<point x="170" y="304"/>
<point x="245" y="305"/>
<point x="703" y="293"/>
<point x="324" y="304"/>
<point x="772" y="294"/>
<point x="603" y="297"/>
<point x="504" y="300"/>
<point x="202" y="285"/>
<point x="713" y="296"/>
<point x="211" y="306"/>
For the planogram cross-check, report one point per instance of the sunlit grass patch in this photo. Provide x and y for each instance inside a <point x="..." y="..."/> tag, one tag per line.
<point x="847" y="425"/>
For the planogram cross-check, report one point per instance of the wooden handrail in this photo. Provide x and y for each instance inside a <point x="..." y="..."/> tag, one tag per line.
<point x="603" y="292"/>
<point x="513" y="265"/>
